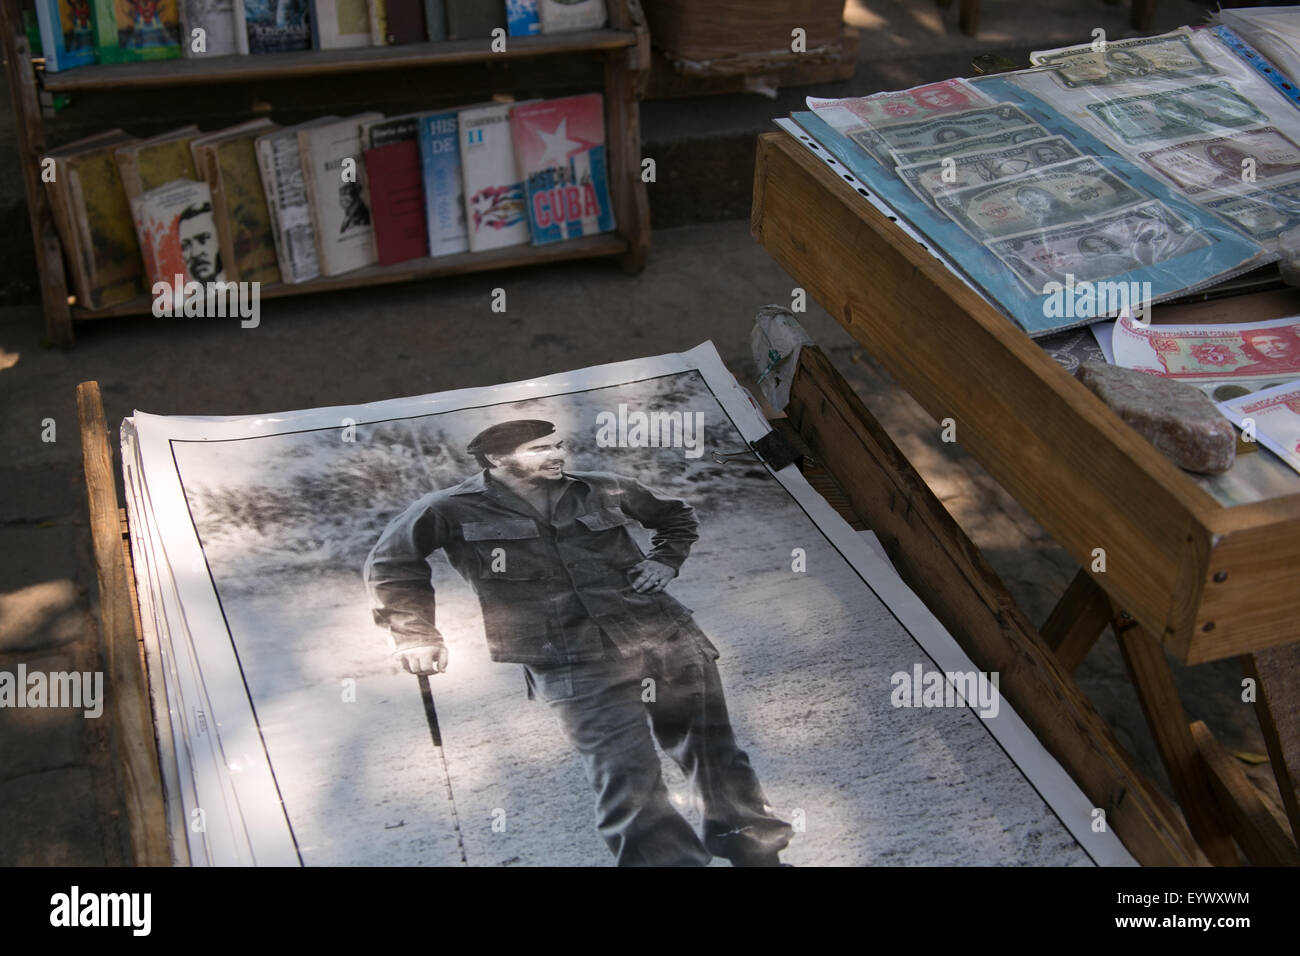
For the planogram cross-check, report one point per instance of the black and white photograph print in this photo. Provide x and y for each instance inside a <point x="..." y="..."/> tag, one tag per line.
<point x="541" y="625"/>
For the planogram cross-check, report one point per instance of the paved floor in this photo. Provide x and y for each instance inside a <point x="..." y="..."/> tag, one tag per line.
<point x="59" y="797"/>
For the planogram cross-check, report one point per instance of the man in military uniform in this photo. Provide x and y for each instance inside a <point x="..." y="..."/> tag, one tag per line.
<point x="566" y="591"/>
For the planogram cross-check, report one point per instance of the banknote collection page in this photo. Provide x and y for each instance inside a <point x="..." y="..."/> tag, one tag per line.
<point x="1107" y="176"/>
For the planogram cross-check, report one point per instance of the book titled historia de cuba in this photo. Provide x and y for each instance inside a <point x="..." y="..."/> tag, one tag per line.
<point x="560" y="152"/>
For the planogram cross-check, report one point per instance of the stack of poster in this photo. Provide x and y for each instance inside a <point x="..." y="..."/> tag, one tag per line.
<point x="1047" y="221"/>
<point x="291" y="568"/>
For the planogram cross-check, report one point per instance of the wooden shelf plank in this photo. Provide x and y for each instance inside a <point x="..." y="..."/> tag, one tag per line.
<point x="273" y="66"/>
<point x="607" y="244"/>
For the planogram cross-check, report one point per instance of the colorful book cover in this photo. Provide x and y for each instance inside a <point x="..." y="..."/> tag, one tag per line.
<point x="444" y="190"/>
<point x="67" y="39"/>
<point x="560" y="151"/>
<point x="228" y="162"/>
<point x="216" y="18"/>
<point x="279" y="162"/>
<point x="96" y="223"/>
<point x="127" y="31"/>
<point x="335" y="174"/>
<point x="274" y="26"/>
<point x="494" y="193"/>
<point x="565" y="16"/>
<point x="521" y="18"/>
<point x="392" y="151"/>
<point x="175" y="224"/>
<point x="339" y="24"/>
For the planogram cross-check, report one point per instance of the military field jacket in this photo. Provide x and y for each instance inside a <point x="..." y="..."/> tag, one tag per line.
<point x="547" y="588"/>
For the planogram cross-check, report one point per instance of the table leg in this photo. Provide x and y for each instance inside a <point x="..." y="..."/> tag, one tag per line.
<point x="1277" y="704"/>
<point x="1260" y="830"/>
<point x="1076" y="622"/>
<point x="1164" y="713"/>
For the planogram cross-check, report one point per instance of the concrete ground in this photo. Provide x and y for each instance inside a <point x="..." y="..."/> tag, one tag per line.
<point x="59" y="795"/>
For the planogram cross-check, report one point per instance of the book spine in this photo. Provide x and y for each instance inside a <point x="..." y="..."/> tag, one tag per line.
<point x="241" y="29"/>
<point x="266" y="164"/>
<point x="315" y="18"/>
<point x="74" y="240"/>
<point x="216" y="18"/>
<point x="495" y="204"/>
<point x="205" y="160"/>
<point x="379" y="22"/>
<point x="522" y="19"/>
<point x="435" y="19"/>
<point x="565" y="17"/>
<point x="128" y="167"/>
<point x="444" y="191"/>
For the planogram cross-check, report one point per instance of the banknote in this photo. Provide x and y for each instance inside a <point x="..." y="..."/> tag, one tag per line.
<point x="1224" y="162"/>
<point x="1273" y="416"/>
<point x="879" y="109"/>
<point x="1263" y="214"/>
<point x="1094" y="251"/>
<point x="1047" y="198"/>
<point x="1191" y="111"/>
<point x="939" y="130"/>
<point x="1225" y="360"/>
<point x="971" y="169"/>
<point x="974" y="144"/>
<point x="1168" y="57"/>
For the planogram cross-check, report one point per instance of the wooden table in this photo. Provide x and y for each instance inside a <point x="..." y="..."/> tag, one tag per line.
<point x="1183" y="574"/>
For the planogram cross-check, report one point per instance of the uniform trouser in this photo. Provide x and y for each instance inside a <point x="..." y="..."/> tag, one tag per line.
<point x="609" y="711"/>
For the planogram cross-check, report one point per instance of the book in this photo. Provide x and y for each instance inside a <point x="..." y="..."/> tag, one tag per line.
<point x="175" y="224"/>
<point x="67" y="40"/>
<point x="273" y="26"/>
<point x="444" y="190"/>
<point x="379" y="22"/>
<point x="338" y="200"/>
<point x="521" y="18"/>
<point x="392" y="151"/>
<point x="227" y="161"/>
<point x="280" y="163"/>
<point x="94" y="221"/>
<point x="338" y="24"/>
<point x="149" y="163"/>
<point x="495" y="210"/>
<point x="472" y="19"/>
<point x="565" y="16"/>
<point x="560" y="153"/>
<point x="216" y="18"/>
<point x="31" y="26"/>
<point x="435" y="19"/>
<point x="406" y="21"/>
<point x="128" y="31"/>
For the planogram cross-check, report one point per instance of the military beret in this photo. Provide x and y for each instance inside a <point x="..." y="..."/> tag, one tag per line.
<point x="504" y="437"/>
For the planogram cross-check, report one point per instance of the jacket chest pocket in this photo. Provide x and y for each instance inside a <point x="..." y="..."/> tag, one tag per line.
<point x="602" y="519"/>
<point x="603" y="540"/>
<point x="509" y="549"/>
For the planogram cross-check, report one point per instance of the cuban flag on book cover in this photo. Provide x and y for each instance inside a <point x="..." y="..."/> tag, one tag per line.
<point x="560" y="149"/>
